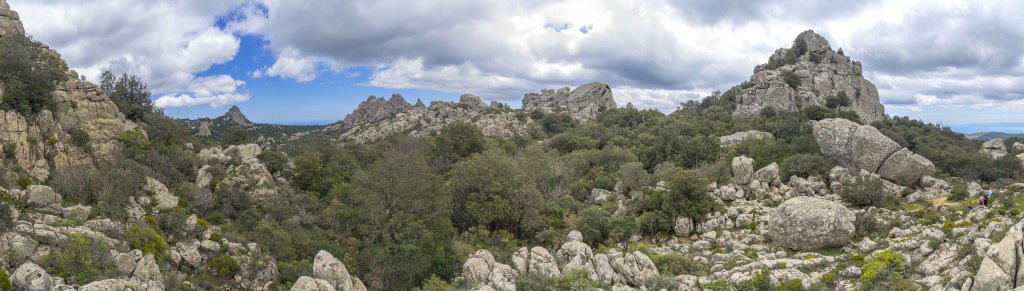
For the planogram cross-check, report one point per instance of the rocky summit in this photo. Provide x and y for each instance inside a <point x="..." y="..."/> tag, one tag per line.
<point x="808" y="74"/>
<point x="582" y="103"/>
<point x="9" y="20"/>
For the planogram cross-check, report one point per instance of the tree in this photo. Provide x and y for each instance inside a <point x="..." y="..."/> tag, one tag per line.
<point x="594" y="224"/>
<point x="457" y="141"/>
<point x="129" y="92"/>
<point x="404" y="226"/>
<point x="623" y="228"/>
<point x="840" y="99"/>
<point x="29" y="73"/>
<point x="491" y="189"/>
<point x="865" y="191"/>
<point x="688" y="196"/>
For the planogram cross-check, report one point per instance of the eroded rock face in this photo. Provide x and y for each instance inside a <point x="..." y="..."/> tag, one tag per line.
<point x="582" y="103"/>
<point x="234" y="115"/>
<point x="736" y="138"/>
<point x="482" y="271"/>
<point x="808" y="223"/>
<point x="995" y="148"/>
<point x="375" y="109"/>
<point x="863" y="147"/>
<point x="817" y="73"/>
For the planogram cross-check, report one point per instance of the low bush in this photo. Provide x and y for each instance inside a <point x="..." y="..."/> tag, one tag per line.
<point x="866" y="191"/>
<point x="147" y="239"/>
<point x="225" y="266"/>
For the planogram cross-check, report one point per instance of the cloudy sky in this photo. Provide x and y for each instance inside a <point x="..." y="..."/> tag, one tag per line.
<point x="308" y="61"/>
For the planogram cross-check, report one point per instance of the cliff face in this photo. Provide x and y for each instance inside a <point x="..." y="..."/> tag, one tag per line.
<point x="808" y="74"/>
<point x="42" y="142"/>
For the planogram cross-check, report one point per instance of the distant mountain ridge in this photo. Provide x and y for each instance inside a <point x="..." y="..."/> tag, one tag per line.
<point x="269" y="135"/>
<point x="994" y="135"/>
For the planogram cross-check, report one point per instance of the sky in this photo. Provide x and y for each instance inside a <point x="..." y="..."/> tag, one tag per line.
<point x="957" y="63"/>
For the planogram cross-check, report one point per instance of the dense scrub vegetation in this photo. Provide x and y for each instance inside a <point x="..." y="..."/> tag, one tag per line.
<point x="29" y="73"/>
<point x="404" y="212"/>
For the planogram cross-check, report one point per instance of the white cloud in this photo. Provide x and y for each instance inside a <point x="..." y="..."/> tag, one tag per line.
<point x="167" y="43"/>
<point x="215" y="91"/>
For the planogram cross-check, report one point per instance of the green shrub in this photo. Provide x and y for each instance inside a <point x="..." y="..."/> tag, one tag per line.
<point x="761" y="280"/>
<point x="5" y="281"/>
<point x="6" y="215"/>
<point x="578" y="280"/>
<point x="435" y="283"/>
<point x="805" y="165"/>
<point x="224" y="265"/>
<point x="80" y="260"/>
<point x="24" y="182"/>
<point x="29" y="72"/>
<point x="791" y="285"/>
<point x="533" y="281"/>
<point x="885" y="270"/>
<point x="678" y="264"/>
<point x="791" y="78"/>
<point x="718" y="285"/>
<point x="594" y="225"/>
<point x="838" y="100"/>
<point x="866" y="191"/>
<point x="147" y="239"/>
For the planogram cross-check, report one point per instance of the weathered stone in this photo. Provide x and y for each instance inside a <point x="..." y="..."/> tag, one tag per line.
<point x="636" y="268"/>
<point x="582" y="103"/>
<point x="683" y="226"/>
<point x="769" y="175"/>
<point x="305" y="283"/>
<point x="995" y="148"/>
<point x="39" y="196"/>
<point x="30" y="277"/>
<point x="862" y="147"/>
<point x="742" y="170"/>
<point x="819" y="73"/>
<point x="808" y="223"/>
<point x="163" y="197"/>
<point x="736" y="138"/>
<point x="326" y="267"/>
<point x="991" y="277"/>
<point x="148" y="270"/>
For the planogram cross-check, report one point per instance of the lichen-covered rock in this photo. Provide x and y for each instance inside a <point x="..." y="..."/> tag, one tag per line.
<point x="306" y="283"/>
<point x="40" y="196"/>
<point x="636" y="268"/>
<point x="808" y="223"/>
<point x="769" y="175"/>
<point x="30" y="277"/>
<point x="582" y="103"/>
<point x="683" y="226"/>
<point x="736" y="138"/>
<point x="742" y="170"/>
<point x="575" y="255"/>
<point x="807" y="75"/>
<point x="326" y="267"/>
<point x="163" y="197"/>
<point x="148" y="270"/>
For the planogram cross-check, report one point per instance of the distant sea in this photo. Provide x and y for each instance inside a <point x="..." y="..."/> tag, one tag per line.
<point x="1001" y="127"/>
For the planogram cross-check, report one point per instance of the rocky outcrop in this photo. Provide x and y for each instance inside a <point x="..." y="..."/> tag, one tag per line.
<point x="235" y="116"/>
<point x="863" y="147"/>
<point x="493" y="120"/>
<point x="742" y="170"/>
<point x="808" y="223"/>
<point x="805" y="75"/>
<point x="162" y="197"/>
<point x="481" y="271"/>
<point x="376" y="109"/>
<point x="30" y="277"/>
<point x="9" y="20"/>
<point x="330" y="269"/>
<point x="995" y="148"/>
<point x="582" y="103"/>
<point x="1001" y="268"/>
<point x="736" y="138"/>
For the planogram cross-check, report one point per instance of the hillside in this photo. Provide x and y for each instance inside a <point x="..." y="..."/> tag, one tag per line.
<point x="793" y="180"/>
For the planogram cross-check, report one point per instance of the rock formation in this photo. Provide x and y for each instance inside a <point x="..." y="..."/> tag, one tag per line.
<point x="995" y="148"/>
<point x="376" y="109"/>
<point x="9" y="21"/>
<point x="860" y="147"/>
<point x="42" y="142"/>
<point x="737" y="138"/>
<point x="234" y="115"/>
<point x="807" y="74"/>
<point x="582" y="103"/>
<point x="807" y="224"/>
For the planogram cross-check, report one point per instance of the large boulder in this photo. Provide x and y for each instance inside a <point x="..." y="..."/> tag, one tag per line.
<point x="575" y="255"/>
<point x="863" y="147"/>
<point x="995" y="148"/>
<point x="326" y="267"/>
<point x="742" y="170"/>
<point x="736" y="138"/>
<point x="30" y="277"/>
<point x="147" y="270"/>
<point x="536" y="260"/>
<point x="768" y="175"/>
<point x="306" y="283"/>
<point x="39" y="196"/>
<point x="808" y="223"/>
<point x="635" y="267"/>
<point x="162" y="196"/>
<point x="482" y="271"/>
<point x="10" y="23"/>
<point x="683" y="226"/>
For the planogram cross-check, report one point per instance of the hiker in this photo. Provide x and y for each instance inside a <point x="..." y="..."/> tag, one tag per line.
<point x="985" y="200"/>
